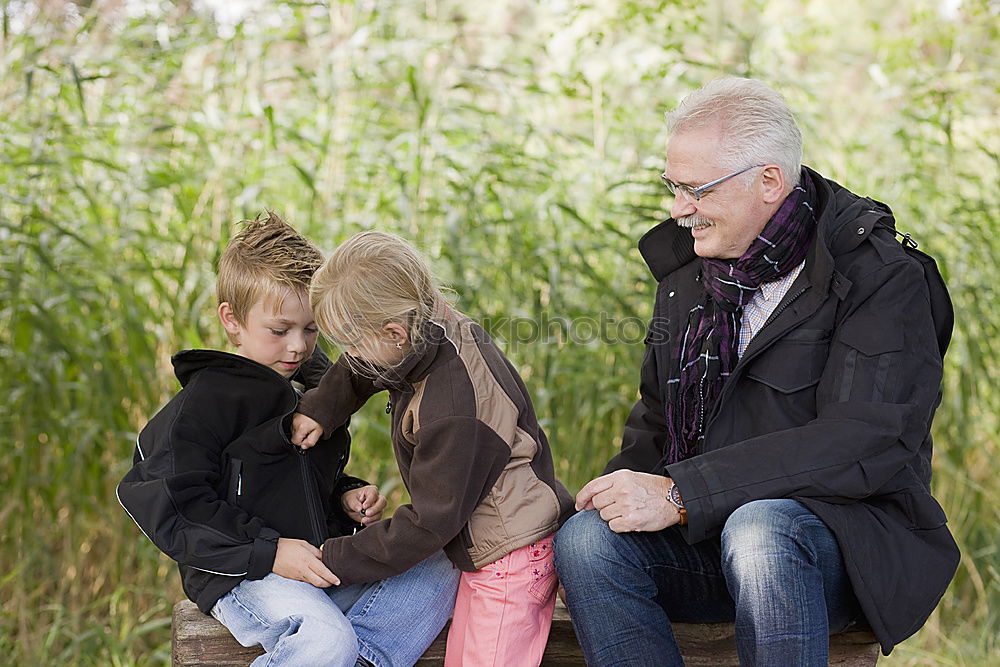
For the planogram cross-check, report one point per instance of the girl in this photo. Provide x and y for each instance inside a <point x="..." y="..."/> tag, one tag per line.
<point x="469" y="448"/>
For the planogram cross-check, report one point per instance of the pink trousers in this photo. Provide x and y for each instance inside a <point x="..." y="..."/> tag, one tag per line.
<point x="503" y="611"/>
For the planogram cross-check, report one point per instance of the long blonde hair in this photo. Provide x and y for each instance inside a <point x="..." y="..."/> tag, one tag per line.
<point x="372" y="279"/>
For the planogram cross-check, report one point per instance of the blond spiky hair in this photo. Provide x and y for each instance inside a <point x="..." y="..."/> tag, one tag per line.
<point x="265" y="262"/>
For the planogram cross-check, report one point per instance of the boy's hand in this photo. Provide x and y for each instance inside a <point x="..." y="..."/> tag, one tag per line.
<point x="299" y="560"/>
<point x="306" y="431"/>
<point x="364" y="505"/>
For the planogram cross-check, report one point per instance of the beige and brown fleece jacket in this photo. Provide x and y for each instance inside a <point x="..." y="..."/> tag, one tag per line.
<point x="469" y="448"/>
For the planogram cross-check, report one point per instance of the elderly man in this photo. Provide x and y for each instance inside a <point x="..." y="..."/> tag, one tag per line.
<point x="776" y="468"/>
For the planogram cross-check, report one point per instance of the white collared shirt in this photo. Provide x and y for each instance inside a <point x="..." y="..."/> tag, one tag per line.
<point x="763" y="302"/>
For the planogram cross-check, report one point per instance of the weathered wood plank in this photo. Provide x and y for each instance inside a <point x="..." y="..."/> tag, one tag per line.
<point x="201" y="641"/>
<point x="714" y="645"/>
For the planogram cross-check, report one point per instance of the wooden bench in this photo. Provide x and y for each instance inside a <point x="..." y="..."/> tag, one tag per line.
<point x="201" y="641"/>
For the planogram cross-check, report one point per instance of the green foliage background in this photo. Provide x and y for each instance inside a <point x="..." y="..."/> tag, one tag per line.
<point x="518" y="143"/>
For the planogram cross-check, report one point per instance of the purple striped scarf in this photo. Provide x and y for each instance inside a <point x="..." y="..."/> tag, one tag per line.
<point x="706" y="354"/>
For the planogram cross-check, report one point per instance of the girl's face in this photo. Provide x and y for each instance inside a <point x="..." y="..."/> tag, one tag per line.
<point x="384" y="349"/>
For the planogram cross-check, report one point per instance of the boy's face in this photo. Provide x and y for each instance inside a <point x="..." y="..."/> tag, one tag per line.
<point x="280" y="340"/>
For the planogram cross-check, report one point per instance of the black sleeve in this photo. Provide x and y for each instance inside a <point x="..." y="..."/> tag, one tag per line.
<point x="645" y="434"/>
<point x="172" y="493"/>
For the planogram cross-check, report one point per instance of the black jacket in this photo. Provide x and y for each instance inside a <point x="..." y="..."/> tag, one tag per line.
<point x="831" y="404"/>
<point x="216" y="481"/>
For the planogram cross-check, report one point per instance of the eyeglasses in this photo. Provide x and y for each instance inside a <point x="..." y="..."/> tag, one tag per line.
<point x="696" y="193"/>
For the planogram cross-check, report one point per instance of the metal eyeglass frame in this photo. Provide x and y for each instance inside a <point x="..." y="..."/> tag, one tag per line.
<point x="696" y="193"/>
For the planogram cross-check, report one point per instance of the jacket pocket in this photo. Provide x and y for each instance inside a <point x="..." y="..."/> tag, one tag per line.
<point x="925" y="512"/>
<point x="235" y="484"/>
<point x="922" y="510"/>
<point x="867" y="369"/>
<point x="871" y="339"/>
<point x="794" y="362"/>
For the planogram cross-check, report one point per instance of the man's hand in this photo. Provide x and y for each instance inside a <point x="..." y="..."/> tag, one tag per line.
<point x="299" y="560"/>
<point x="364" y="505"/>
<point x="306" y="431"/>
<point x="630" y="501"/>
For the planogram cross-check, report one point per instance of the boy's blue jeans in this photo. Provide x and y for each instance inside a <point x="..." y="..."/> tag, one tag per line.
<point x="388" y="623"/>
<point x="776" y="570"/>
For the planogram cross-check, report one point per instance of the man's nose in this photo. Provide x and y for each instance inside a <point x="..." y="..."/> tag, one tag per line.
<point x="682" y="206"/>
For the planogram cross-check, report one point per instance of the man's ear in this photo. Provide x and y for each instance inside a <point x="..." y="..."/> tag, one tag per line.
<point x="397" y="333"/>
<point x="229" y="322"/>
<point x="773" y="184"/>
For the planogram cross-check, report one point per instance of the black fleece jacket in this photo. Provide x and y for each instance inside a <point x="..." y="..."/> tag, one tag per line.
<point x="216" y="480"/>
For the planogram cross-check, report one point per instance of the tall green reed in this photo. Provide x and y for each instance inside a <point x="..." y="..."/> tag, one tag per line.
<point x="517" y="143"/>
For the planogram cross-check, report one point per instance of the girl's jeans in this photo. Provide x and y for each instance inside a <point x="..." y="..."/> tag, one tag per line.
<point x="776" y="570"/>
<point x="504" y="610"/>
<point x="388" y="623"/>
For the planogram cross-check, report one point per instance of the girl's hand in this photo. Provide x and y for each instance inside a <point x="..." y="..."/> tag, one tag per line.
<point x="364" y="505"/>
<point x="306" y="431"/>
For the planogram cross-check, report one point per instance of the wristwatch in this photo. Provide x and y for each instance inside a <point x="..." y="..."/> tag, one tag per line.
<point x="674" y="496"/>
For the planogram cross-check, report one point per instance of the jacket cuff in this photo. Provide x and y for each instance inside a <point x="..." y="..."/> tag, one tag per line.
<point x="263" y="551"/>
<point x="329" y="546"/>
<point x="697" y="501"/>
<point x="347" y="483"/>
<point x="309" y="407"/>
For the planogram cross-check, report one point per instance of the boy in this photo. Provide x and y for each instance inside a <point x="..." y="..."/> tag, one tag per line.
<point x="218" y="486"/>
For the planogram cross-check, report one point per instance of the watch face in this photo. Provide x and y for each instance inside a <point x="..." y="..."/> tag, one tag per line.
<point x="674" y="496"/>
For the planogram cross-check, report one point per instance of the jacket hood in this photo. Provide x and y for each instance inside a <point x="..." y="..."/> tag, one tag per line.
<point x="844" y="221"/>
<point x="847" y="219"/>
<point x="188" y="362"/>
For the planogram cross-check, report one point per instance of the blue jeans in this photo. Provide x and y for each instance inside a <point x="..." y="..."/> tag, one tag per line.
<point x="388" y="623"/>
<point x="776" y="570"/>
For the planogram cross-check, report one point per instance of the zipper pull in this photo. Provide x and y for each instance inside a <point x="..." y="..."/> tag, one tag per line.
<point x="388" y="407"/>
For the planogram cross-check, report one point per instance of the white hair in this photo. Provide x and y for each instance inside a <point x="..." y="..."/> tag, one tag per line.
<point x="755" y="123"/>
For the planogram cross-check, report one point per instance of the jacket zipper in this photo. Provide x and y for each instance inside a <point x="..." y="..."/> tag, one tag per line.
<point x="781" y="308"/>
<point x="309" y="485"/>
